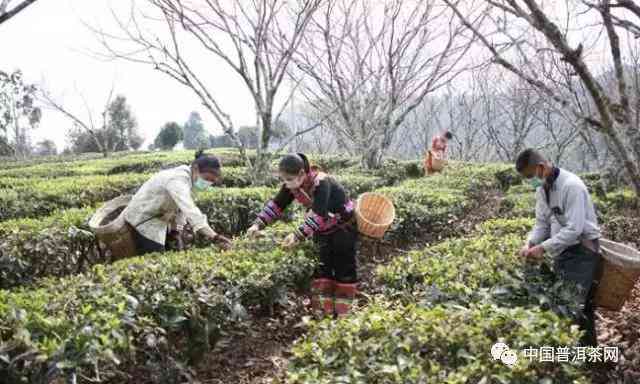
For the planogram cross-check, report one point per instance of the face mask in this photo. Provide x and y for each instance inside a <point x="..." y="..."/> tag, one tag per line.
<point x="201" y="184"/>
<point x="295" y="183"/>
<point x="536" y="182"/>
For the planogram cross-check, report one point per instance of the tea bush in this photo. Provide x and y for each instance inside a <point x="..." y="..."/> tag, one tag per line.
<point x="614" y="202"/>
<point x="114" y="315"/>
<point x="430" y="204"/>
<point x="232" y="210"/>
<point x="457" y="269"/>
<point x="42" y="197"/>
<point x="392" y="343"/>
<point x="500" y="227"/>
<point x="56" y="245"/>
<point x="127" y="162"/>
<point x="61" y="244"/>
<point x="519" y="201"/>
<point x="146" y="162"/>
<point x="484" y="268"/>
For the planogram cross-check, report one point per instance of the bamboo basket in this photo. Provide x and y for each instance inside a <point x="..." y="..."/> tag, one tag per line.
<point x="437" y="163"/>
<point x="111" y="229"/>
<point x="620" y="271"/>
<point x="374" y="213"/>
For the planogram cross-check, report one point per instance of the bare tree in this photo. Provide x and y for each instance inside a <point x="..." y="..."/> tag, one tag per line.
<point x="374" y="63"/>
<point x="415" y="133"/>
<point x="97" y="127"/>
<point x="7" y="13"/>
<point x="320" y="140"/>
<point x="255" y="39"/>
<point x="464" y="118"/>
<point x="561" y="131"/>
<point x="546" y="38"/>
<point x="509" y="108"/>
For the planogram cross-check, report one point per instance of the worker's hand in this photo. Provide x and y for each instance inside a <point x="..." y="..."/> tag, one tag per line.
<point x="254" y="231"/>
<point x="177" y="236"/>
<point x="536" y="252"/>
<point x="290" y="241"/>
<point x="524" y="250"/>
<point x="222" y="242"/>
<point x="179" y="242"/>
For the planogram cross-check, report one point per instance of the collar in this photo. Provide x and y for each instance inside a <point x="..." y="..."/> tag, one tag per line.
<point x="309" y="180"/>
<point x="550" y="181"/>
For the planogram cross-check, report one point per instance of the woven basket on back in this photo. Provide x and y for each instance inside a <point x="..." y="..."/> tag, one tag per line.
<point x="111" y="229"/>
<point x="374" y="213"/>
<point x="621" y="269"/>
<point x="437" y="163"/>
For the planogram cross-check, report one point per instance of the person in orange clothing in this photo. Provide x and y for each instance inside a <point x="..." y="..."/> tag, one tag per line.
<point x="438" y="150"/>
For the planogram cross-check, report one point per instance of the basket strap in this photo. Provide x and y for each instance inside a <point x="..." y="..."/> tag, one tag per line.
<point x="146" y="220"/>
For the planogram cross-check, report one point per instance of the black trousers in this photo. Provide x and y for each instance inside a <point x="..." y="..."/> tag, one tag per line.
<point x="145" y="245"/>
<point x="583" y="266"/>
<point x="338" y="255"/>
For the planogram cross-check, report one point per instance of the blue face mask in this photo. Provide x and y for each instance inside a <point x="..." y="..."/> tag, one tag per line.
<point x="201" y="184"/>
<point x="536" y="182"/>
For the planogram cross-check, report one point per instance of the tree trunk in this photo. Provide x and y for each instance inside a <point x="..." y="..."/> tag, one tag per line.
<point x="371" y="158"/>
<point x="260" y="172"/>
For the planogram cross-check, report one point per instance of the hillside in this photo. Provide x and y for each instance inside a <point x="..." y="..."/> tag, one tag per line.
<point x="442" y="287"/>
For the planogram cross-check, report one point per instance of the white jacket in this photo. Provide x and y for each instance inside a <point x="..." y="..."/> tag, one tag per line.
<point x="163" y="200"/>
<point x="574" y="219"/>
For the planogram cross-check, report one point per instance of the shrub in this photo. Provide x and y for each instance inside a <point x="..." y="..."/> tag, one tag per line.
<point x="501" y="227"/>
<point x="56" y="245"/>
<point x="124" y="313"/>
<point x="126" y="162"/>
<point x="390" y="343"/>
<point x="431" y="204"/>
<point x="357" y="184"/>
<point x="457" y="269"/>
<point x="42" y="197"/>
<point x="61" y="244"/>
<point x="232" y="210"/>
<point x="615" y="202"/>
<point x="480" y="269"/>
<point x="519" y="201"/>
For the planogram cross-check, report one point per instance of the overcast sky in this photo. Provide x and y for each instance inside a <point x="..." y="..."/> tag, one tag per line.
<point x="49" y="43"/>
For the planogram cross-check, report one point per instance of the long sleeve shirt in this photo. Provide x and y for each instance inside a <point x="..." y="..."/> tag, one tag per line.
<point x="164" y="200"/>
<point x="567" y="218"/>
<point x="327" y="201"/>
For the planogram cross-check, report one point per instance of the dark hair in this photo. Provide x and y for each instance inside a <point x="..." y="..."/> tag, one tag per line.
<point x="528" y="158"/>
<point x="206" y="163"/>
<point x="292" y="164"/>
<point x="448" y="135"/>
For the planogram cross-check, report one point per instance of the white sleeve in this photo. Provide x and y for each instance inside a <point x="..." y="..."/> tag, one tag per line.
<point x="576" y="198"/>
<point x="180" y="192"/>
<point x="542" y="228"/>
<point x="180" y="221"/>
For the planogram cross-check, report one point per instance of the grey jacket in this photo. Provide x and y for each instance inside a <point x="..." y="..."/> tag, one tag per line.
<point x="568" y="219"/>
